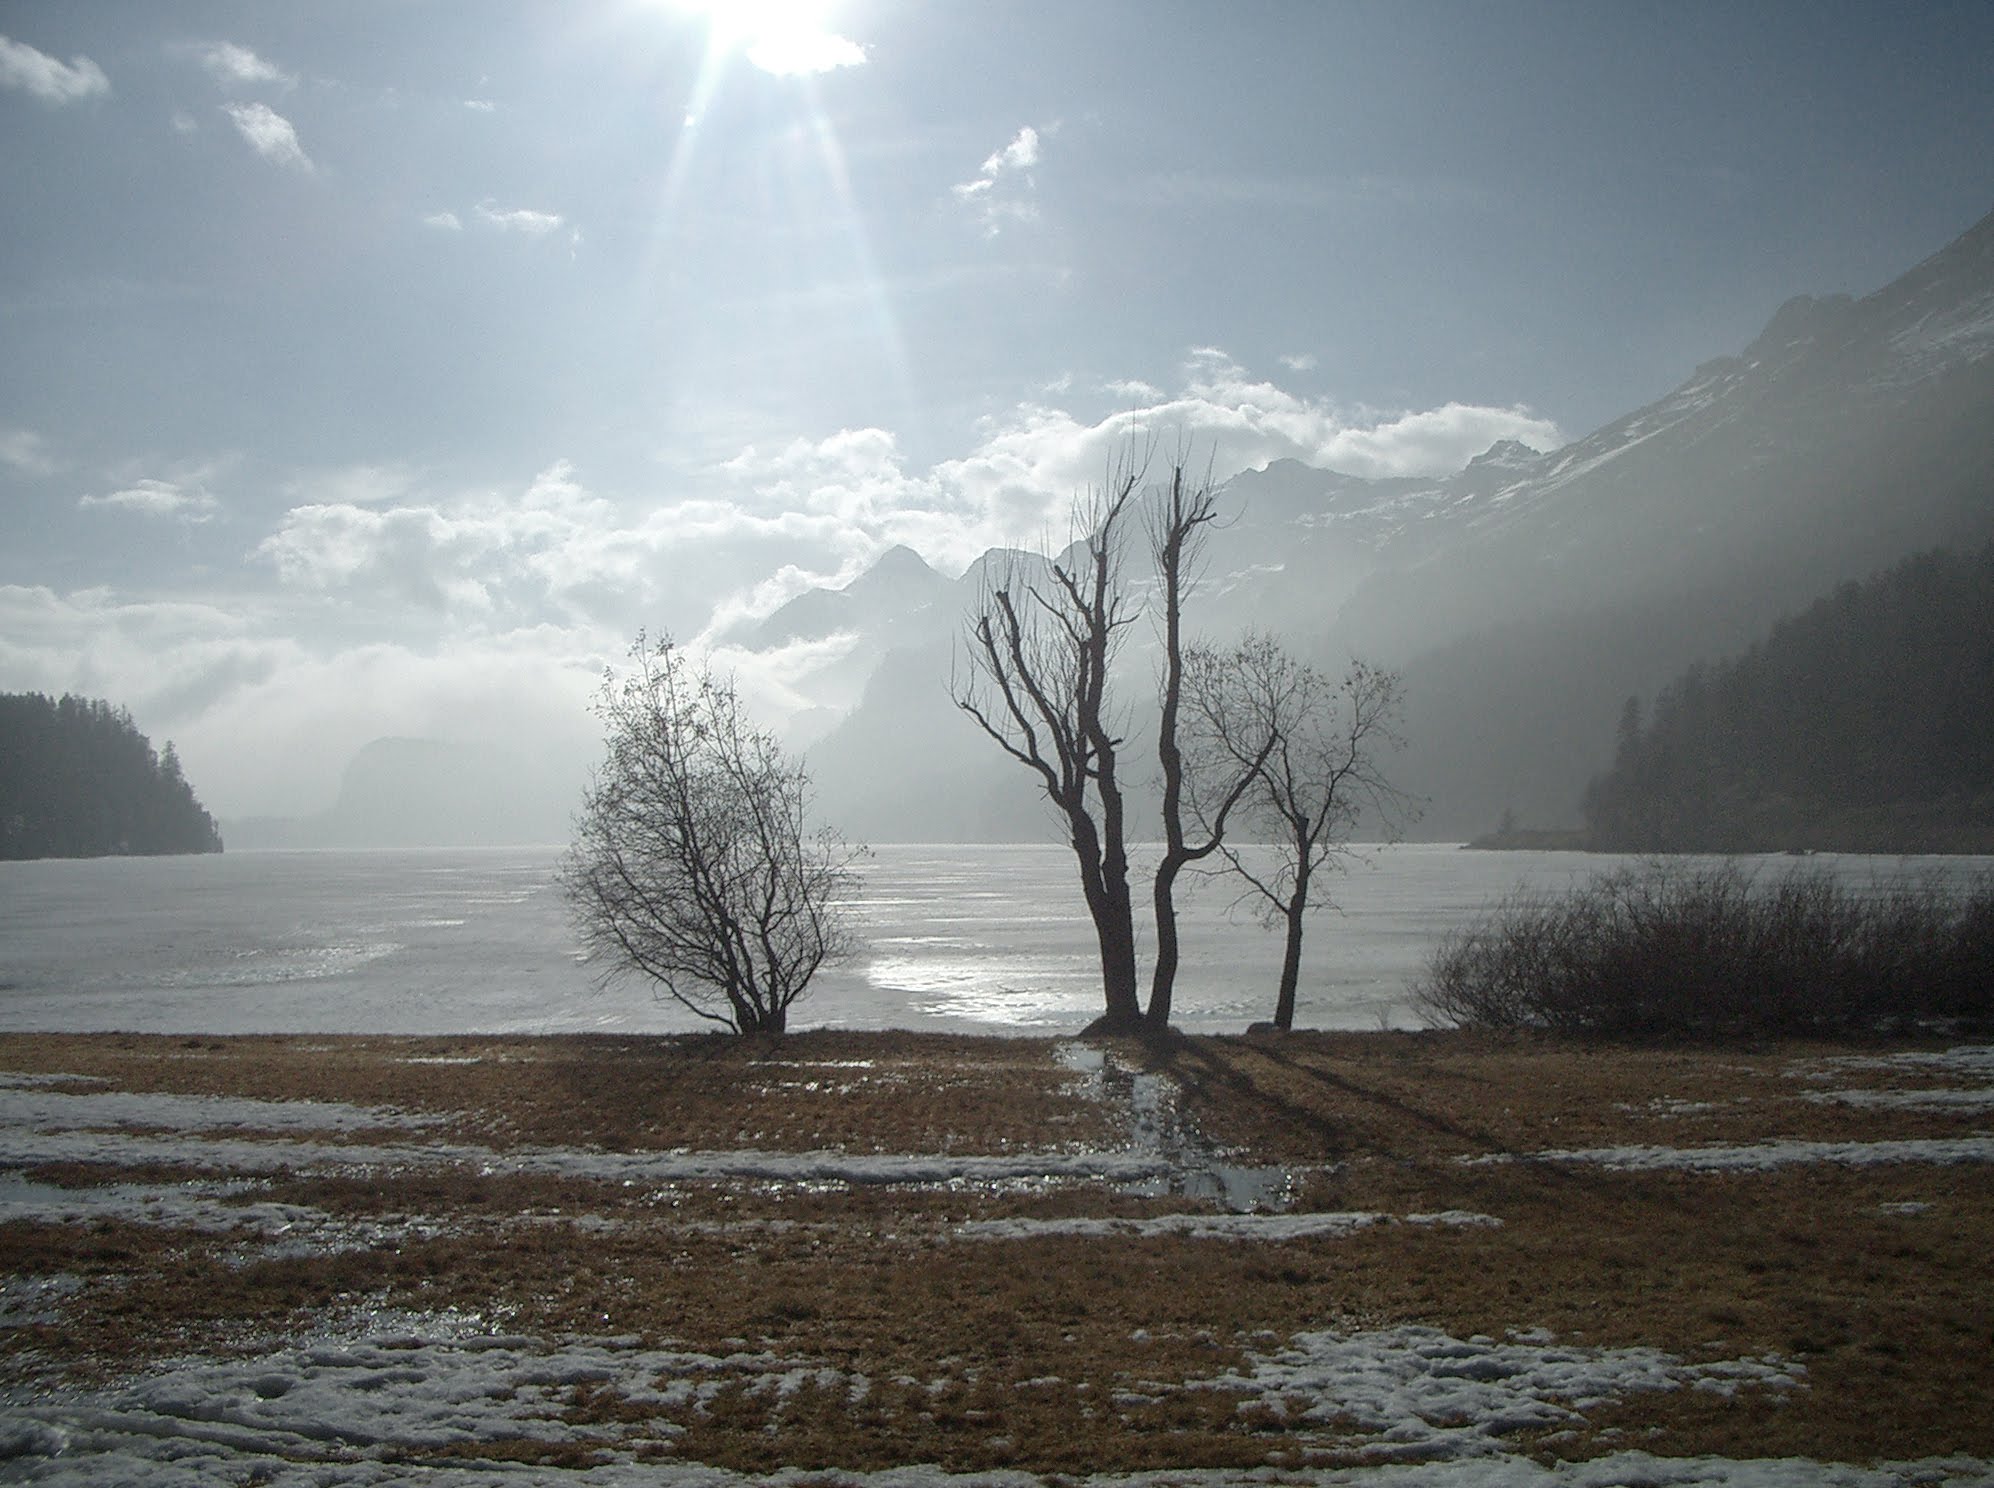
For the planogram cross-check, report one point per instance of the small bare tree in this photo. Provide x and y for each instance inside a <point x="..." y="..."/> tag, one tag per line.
<point x="1036" y="681"/>
<point x="693" y="862"/>
<point x="1317" y="743"/>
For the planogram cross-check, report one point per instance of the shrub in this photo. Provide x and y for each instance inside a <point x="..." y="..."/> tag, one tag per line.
<point x="1702" y="951"/>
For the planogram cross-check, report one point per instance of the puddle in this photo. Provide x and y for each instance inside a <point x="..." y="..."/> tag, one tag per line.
<point x="1159" y="1129"/>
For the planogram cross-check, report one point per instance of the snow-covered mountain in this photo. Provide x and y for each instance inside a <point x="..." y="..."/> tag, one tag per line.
<point x="1527" y="595"/>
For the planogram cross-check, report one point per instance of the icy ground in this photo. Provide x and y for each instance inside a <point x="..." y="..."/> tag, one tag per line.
<point x="372" y="1390"/>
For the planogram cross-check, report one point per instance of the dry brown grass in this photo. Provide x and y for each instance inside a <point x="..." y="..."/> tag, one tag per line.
<point x="920" y="1093"/>
<point x="1891" y="1314"/>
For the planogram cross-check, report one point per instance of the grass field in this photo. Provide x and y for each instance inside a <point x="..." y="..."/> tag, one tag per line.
<point x="1419" y="1257"/>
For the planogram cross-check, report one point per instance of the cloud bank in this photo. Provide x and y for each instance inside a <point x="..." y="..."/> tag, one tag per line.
<point x="386" y="599"/>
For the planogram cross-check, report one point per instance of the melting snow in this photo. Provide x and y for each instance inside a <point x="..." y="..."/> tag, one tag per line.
<point x="34" y="1105"/>
<point x="1415" y="1394"/>
<point x="1908" y="1100"/>
<point x="1760" y="1157"/>
<point x="1262" y="1227"/>
<point x="26" y="1148"/>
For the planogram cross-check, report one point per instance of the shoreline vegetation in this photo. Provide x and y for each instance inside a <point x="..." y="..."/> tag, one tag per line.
<point x="707" y="1259"/>
<point x="1960" y="827"/>
<point x="1706" y="952"/>
<point x="78" y="780"/>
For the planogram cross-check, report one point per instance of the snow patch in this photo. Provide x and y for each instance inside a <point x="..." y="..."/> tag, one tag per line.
<point x="1906" y="1100"/>
<point x="42" y="1109"/>
<point x="1265" y="1228"/>
<point x="26" y="1148"/>
<point x="1758" y="1157"/>
<point x="439" y="1382"/>
<point x="1412" y="1394"/>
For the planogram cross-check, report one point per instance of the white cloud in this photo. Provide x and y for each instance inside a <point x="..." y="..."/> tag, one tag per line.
<point x="1021" y="154"/>
<point x="1017" y="484"/>
<point x="1133" y="389"/>
<point x="183" y="122"/>
<point x="1003" y="193"/>
<point x="1301" y="361"/>
<point x="25" y="451"/>
<point x="232" y="65"/>
<point x="447" y="221"/>
<point x="269" y="134"/>
<point x="520" y="219"/>
<point x="21" y="66"/>
<point x="480" y="105"/>
<point x="157" y="498"/>
<point x="803" y="53"/>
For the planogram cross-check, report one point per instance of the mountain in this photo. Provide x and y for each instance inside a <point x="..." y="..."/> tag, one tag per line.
<point x="846" y="632"/>
<point x="1526" y="596"/>
<point x="398" y="793"/>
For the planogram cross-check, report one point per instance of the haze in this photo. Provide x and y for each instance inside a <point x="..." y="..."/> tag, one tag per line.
<point x="376" y="371"/>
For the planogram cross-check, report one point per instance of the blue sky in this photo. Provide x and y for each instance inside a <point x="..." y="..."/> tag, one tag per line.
<point x="373" y="368"/>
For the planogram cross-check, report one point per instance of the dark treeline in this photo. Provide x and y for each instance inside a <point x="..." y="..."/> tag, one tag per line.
<point x="1860" y="725"/>
<point x="78" y="780"/>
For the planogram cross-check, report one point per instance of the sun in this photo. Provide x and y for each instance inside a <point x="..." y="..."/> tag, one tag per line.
<point x="788" y="38"/>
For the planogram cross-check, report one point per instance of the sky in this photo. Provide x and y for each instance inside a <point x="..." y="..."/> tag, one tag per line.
<point x="382" y="368"/>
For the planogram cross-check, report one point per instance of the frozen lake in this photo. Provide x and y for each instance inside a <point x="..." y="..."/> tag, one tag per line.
<point x="990" y="939"/>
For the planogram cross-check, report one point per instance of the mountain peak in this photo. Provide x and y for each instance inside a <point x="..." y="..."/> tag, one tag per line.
<point x="1506" y="454"/>
<point x="1801" y="319"/>
<point x="897" y="567"/>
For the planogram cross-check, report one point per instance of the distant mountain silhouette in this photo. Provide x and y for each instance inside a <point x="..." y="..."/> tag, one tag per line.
<point x="1526" y="596"/>
<point x="423" y="793"/>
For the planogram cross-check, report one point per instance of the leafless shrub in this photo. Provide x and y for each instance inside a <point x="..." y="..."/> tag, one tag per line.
<point x="1701" y="951"/>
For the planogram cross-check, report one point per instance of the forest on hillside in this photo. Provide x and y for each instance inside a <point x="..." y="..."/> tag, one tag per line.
<point x="78" y="780"/>
<point x="1859" y="725"/>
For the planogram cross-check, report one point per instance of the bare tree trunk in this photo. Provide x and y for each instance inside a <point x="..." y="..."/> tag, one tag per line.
<point x="1163" y="978"/>
<point x="1291" y="958"/>
<point x="1104" y="880"/>
<point x="1174" y="538"/>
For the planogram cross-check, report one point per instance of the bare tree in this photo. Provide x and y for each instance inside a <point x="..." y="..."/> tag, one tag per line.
<point x="1178" y="523"/>
<point x="693" y="862"/>
<point x="1318" y="743"/>
<point x="1036" y="681"/>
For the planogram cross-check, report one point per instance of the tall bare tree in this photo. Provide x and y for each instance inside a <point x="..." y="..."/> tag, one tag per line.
<point x="694" y="863"/>
<point x="1036" y="681"/>
<point x="1179" y="521"/>
<point x="1318" y="744"/>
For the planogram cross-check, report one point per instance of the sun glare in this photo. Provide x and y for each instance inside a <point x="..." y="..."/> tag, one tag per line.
<point x="789" y="38"/>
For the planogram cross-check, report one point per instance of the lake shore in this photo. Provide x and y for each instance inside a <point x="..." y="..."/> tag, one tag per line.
<point x="619" y="1259"/>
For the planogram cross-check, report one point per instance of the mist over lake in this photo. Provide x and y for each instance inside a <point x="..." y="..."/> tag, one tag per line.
<point x="964" y="938"/>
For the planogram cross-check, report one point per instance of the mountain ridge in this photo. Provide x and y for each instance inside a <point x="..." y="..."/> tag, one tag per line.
<point x="1850" y="432"/>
